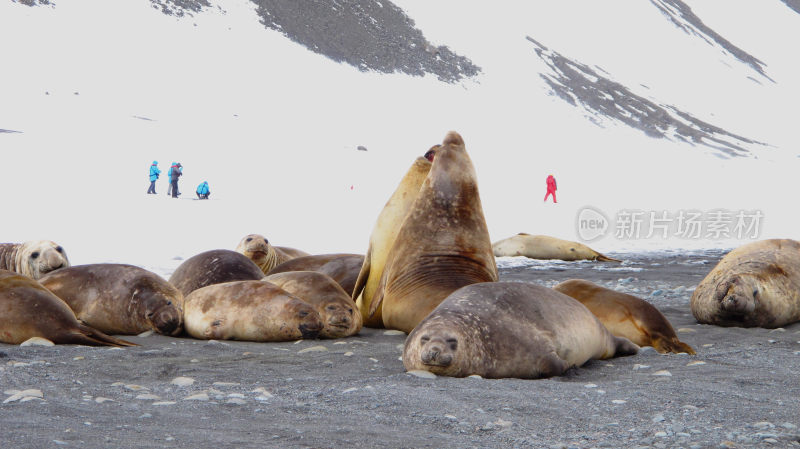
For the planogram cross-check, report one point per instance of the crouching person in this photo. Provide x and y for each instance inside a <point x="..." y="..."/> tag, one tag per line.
<point x="203" y="191"/>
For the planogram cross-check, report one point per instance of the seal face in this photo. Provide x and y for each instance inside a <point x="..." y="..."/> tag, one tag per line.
<point x="257" y="248"/>
<point x="546" y="247"/>
<point x="34" y="258"/>
<point x="118" y="298"/>
<point x="442" y="244"/>
<point x="213" y="267"/>
<point x="755" y="285"/>
<point x="509" y="329"/>
<point x="249" y="310"/>
<point x="30" y="310"/>
<point x="626" y="316"/>
<point x="341" y="267"/>
<point x="339" y="314"/>
<point x="383" y="236"/>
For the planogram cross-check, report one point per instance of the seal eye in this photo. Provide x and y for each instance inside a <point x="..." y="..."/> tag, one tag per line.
<point x="249" y="239"/>
<point x="755" y="292"/>
<point x="303" y="314"/>
<point x="35" y="255"/>
<point x="266" y="241"/>
<point x="331" y="307"/>
<point x="429" y="155"/>
<point x="453" y="343"/>
<point x="169" y="303"/>
<point x="59" y="249"/>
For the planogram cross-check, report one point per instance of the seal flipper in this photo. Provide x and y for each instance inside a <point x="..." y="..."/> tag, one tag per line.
<point x="624" y="347"/>
<point x="603" y="258"/>
<point x="85" y="335"/>
<point x="552" y="365"/>
<point x="664" y="344"/>
<point x="363" y="275"/>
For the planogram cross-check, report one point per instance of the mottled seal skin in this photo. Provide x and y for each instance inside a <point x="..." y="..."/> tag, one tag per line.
<point x="34" y="258"/>
<point x="755" y="285"/>
<point x="249" y="310"/>
<point x="341" y="267"/>
<point x="28" y="310"/>
<point x="546" y="247"/>
<point x="257" y="248"/>
<point x="339" y="314"/>
<point x="213" y="267"/>
<point x="509" y="329"/>
<point x="626" y="315"/>
<point x="119" y="299"/>
<point x="443" y="243"/>
<point x="383" y="236"/>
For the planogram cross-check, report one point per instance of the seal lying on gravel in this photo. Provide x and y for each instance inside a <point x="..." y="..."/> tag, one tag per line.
<point x="342" y="268"/>
<point x="546" y="247"/>
<point x="755" y="285"/>
<point x="249" y="310"/>
<point x="257" y="248"/>
<point x="626" y="315"/>
<point x="213" y="267"/>
<point x="33" y="259"/>
<point x="28" y="310"/>
<point x="119" y="299"/>
<point x="509" y="329"/>
<point x="339" y="314"/>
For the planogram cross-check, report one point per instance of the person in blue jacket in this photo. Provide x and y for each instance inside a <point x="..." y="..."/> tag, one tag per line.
<point x="169" y="179"/>
<point x="154" y="172"/>
<point x="203" y="191"/>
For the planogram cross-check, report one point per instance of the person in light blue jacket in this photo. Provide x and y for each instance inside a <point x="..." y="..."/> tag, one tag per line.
<point x="154" y="172"/>
<point x="203" y="191"/>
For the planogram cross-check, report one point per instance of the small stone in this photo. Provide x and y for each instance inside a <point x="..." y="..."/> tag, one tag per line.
<point x="474" y="376"/>
<point x="197" y="397"/>
<point x="340" y="343"/>
<point x="37" y="341"/>
<point x="263" y="398"/>
<point x="236" y="395"/>
<point x="590" y="386"/>
<point x="658" y="418"/>
<point x="696" y="362"/>
<point x="788" y="425"/>
<point x="263" y="391"/>
<point x="80" y="357"/>
<point x="215" y="343"/>
<point x="164" y="403"/>
<point x="763" y="425"/>
<point x="18" y="364"/>
<point x="638" y="367"/>
<point x="374" y="360"/>
<point x="348" y="354"/>
<point x="770" y="440"/>
<point x="451" y="417"/>
<point x="22" y="395"/>
<point x="145" y="334"/>
<point x="422" y="374"/>
<point x="393" y="332"/>
<point x="349" y="390"/>
<point x="194" y="361"/>
<point x="134" y="387"/>
<point x="618" y="401"/>
<point x="236" y="401"/>
<point x="225" y="384"/>
<point x="182" y="381"/>
<point x="313" y="349"/>
<point x="772" y="341"/>
<point x="60" y="443"/>
<point x="658" y="292"/>
<point x="660" y="434"/>
<point x="145" y="416"/>
<point x="101" y="400"/>
<point x="663" y="372"/>
<point x="148" y="397"/>
<point x="777" y="329"/>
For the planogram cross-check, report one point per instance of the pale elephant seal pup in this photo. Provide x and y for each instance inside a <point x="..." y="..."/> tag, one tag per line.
<point x="626" y="315"/>
<point x="257" y="248"/>
<point x="755" y="285"/>
<point x="443" y="243"/>
<point x="249" y="310"/>
<point x="119" y="299"/>
<point x="339" y="314"/>
<point x="33" y="259"/>
<point x="341" y="267"/>
<point x="28" y="310"/>
<point x="383" y="236"/>
<point x="509" y="329"/>
<point x="213" y="267"/>
<point x="546" y="247"/>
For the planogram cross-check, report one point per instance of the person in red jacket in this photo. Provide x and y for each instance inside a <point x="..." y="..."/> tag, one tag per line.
<point x="551" y="188"/>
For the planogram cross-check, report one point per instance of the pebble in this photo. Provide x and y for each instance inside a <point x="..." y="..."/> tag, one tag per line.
<point x="182" y="381"/>
<point x="374" y="360"/>
<point x="164" y="403"/>
<point x="194" y="361"/>
<point x="145" y="334"/>
<point x="197" y="397"/>
<point x="474" y="376"/>
<point x="348" y="354"/>
<point x="263" y="392"/>
<point x="422" y="373"/>
<point x="658" y="292"/>
<point x="590" y="386"/>
<point x="148" y="397"/>
<point x="60" y="443"/>
<point x="394" y="332"/>
<point x="216" y="343"/>
<point x="37" y="341"/>
<point x="101" y="400"/>
<point x="349" y="390"/>
<point x="663" y="372"/>
<point x="236" y="401"/>
<point x="658" y="418"/>
<point x="18" y="364"/>
<point x="80" y="357"/>
<point x="788" y="425"/>
<point x="696" y="362"/>
<point x="340" y="343"/>
<point x="263" y="398"/>
<point x="134" y="387"/>
<point x="777" y="329"/>
<point x="145" y="416"/>
<point x="708" y="345"/>
<point x="225" y="384"/>
<point x="23" y="396"/>
<point x="236" y="395"/>
<point x="618" y="401"/>
<point x="451" y="417"/>
<point x="313" y="349"/>
<point x="638" y="366"/>
<point x="763" y="425"/>
<point x="686" y="330"/>
<point x="661" y="434"/>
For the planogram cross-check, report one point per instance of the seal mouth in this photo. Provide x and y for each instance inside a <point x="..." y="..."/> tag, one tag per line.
<point x="309" y="331"/>
<point x="435" y="358"/>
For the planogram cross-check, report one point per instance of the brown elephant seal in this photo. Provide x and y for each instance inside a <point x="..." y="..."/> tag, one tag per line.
<point x="119" y="299"/>
<point x="257" y="248"/>
<point x="755" y="285"/>
<point x="383" y="237"/>
<point x="339" y="314"/>
<point x="34" y="258"/>
<point x="28" y="310"/>
<point x="341" y="267"/>
<point x="443" y="243"/>
<point x="626" y="316"/>
<point x="509" y="329"/>
<point x="546" y="247"/>
<point x="249" y="310"/>
<point x="213" y="267"/>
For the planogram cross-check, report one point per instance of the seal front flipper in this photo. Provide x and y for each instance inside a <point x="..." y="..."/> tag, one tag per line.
<point x="624" y="347"/>
<point x="89" y="336"/>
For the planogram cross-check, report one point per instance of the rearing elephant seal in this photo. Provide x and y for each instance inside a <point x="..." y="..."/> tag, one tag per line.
<point x="509" y="329"/>
<point x="29" y="310"/>
<point x="249" y="310"/>
<point x="443" y="243"/>
<point x="33" y="259"/>
<point x="383" y="236"/>
<point x="257" y="248"/>
<point x="341" y="267"/>
<point x="213" y="267"/>
<point x="546" y="247"/>
<point x="119" y="299"/>
<point x="626" y="315"/>
<point x="339" y="314"/>
<point x="755" y="285"/>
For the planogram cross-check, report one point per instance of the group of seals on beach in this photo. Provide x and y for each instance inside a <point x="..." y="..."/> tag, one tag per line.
<point x="429" y="271"/>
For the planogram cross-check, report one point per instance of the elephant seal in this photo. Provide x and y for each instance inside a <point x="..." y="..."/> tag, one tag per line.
<point x="341" y="267"/>
<point x="119" y="299"/>
<point x="27" y="310"/>
<point x="509" y="329"/>
<point x="443" y="243"/>
<point x="755" y="285"/>
<point x="258" y="249"/>
<point x="383" y="237"/>
<point x="34" y="258"/>
<point x="249" y="310"/>
<point x="546" y="247"/>
<point x="213" y="267"/>
<point x="339" y="314"/>
<point x="626" y="316"/>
